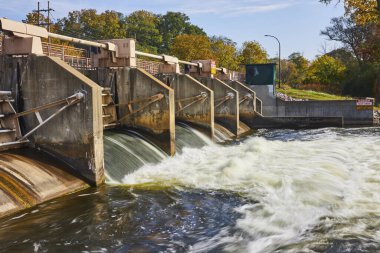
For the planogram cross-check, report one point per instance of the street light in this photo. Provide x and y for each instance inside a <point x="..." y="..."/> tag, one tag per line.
<point x="279" y="59"/>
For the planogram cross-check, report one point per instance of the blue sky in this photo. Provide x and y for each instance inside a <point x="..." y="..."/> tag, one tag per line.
<point x="297" y="23"/>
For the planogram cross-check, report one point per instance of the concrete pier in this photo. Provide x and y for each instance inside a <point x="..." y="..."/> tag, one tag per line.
<point x="194" y="102"/>
<point x="143" y="102"/>
<point x="226" y="103"/>
<point x="247" y="102"/>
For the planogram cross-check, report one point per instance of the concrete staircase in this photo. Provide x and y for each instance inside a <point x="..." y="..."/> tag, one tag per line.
<point x="109" y="110"/>
<point x="10" y="132"/>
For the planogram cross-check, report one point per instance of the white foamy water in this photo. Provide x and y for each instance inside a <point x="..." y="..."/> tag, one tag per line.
<point x="301" y="190"/>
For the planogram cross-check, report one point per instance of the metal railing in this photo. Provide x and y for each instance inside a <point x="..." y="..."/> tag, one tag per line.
<point x="149" y="66"/>
<point x="75" y="57"/>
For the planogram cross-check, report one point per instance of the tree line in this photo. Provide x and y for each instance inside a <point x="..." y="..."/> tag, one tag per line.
<point x="350" y="69"/>
<point x="171" y="33"/>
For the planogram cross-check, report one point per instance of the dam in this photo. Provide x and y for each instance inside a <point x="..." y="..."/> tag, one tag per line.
<point x="69" y="125"/>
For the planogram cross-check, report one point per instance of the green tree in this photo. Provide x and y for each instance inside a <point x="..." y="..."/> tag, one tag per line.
<point x="343" y="55"/>
<point x="301" y="66"/>
<point x="143" y="26"/>
<point x="173" y="24"/>
<point x="363" y="11"/>
<point x="225" y="52"/>
<point x="33" y="19"/>
<point x="88" y="24"/>
<point x="253" y="52"/>
<point x="289" y="73"/>
<point x="327" y="71"/>
<point x="191" y="47"/>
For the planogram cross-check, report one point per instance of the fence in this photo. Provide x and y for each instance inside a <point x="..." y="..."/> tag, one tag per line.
<point x="76" y="57"/>
<point x="149" y="66"/>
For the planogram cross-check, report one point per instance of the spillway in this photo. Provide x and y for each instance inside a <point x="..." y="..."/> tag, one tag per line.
<point x="28" y="177"/>
<point x="277" y="191"/>
<point x="128" y="150"/>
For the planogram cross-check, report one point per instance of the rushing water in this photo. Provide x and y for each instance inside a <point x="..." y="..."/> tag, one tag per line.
<point x="276" y="191"/>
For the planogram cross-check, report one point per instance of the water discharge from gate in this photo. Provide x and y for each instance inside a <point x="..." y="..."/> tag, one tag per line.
<point x="126" y="151"/>
<point x="276" y="191"/>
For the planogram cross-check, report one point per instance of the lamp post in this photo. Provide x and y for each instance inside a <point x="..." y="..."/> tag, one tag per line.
<point x="279" y="59"/>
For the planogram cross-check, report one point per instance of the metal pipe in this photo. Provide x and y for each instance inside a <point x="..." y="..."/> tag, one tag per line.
<point x="159" y="57"/>
<point x="188" y="63"/>
<point x="75" y="40"/>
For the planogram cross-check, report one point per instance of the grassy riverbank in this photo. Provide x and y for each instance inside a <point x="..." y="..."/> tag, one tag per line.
<point x="312" y="95"/>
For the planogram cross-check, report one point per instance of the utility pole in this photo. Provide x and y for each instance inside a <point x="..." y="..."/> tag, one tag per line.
<point x="38" y="13"/>
<point x="48" y="24"/>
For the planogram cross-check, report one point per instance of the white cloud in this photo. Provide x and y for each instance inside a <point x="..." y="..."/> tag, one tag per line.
<point x="232" y="7"/>
<point x="218" y="7"/>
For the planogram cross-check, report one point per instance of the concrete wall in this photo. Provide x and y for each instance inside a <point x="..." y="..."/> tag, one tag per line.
<point x="227" y="113"/>
<point x="346" y="109"/>
<point x="266" y="95"/>
<point x="199" y="113"/>
<point x="334" y="108"/>
<point x="295" y="122"/>
<point x="74" y="136"/>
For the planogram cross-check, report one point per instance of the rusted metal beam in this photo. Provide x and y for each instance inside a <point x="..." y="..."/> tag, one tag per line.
<point x="76" y="97"/>
<point x="148" y="101"/>
<point x="224" y="99"/>
<point x="195" y="99"/>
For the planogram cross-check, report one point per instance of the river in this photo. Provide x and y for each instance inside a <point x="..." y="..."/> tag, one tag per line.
<point x="275" y="191"/>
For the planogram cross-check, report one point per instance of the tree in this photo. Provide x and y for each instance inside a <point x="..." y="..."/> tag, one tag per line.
<point x="301" y="67"/>
<point x="363" y="11"/>
<point x="225" y="52"/>
<point x="191" y="47"/>
<point x="88" y="24"/>
<point x="194" y="30"/>
<point x="289" y="73"/>
<point x="343" y="55"/>
<point x="173" y="24"/>
<point x="354" y="37"/>
<point x="34" y="19"/>
<point x="328" y="71"/>
<point x="253" y="52"/>
<point x="143" y="26"/>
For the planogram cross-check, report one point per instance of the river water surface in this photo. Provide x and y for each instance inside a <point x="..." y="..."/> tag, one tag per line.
<point x="275" y="191"/>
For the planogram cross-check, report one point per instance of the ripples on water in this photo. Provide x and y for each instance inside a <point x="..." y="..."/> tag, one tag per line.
<point x="277" y="191"/>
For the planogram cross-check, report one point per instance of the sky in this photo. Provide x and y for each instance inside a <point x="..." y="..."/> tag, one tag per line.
<point x="296" y="23"/>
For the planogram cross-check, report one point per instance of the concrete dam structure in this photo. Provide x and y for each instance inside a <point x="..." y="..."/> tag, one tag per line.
<point x="65" y="127"/>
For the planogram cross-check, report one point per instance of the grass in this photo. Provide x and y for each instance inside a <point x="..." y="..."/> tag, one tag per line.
<point x="309" y="94"/>
<point x="312" y="95"/>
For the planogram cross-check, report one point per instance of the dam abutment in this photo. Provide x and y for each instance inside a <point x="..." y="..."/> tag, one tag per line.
<point x="74" y="134"/>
